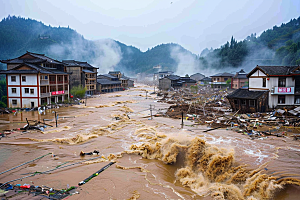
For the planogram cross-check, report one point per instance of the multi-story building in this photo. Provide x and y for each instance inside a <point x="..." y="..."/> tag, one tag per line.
<point x="239" y="80"/>
<point x="220" y="80"/>
<point x="269" y="87"/>
<point x="108" y="83"/>
<point x="34" y="80"/>
<point x="82" y="73"/>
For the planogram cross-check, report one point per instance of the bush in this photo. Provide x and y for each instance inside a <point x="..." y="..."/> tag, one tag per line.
<point x="78" y="91"/>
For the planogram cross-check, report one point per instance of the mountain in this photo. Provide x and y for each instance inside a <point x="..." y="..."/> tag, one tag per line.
<point x="18" y="35"/>
<point x="276" y="46"/>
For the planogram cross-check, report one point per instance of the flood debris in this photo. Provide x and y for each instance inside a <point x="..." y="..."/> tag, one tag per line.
<point x="95" y="152"/>
<point x="210" y="107"/>
<point x="96" y="173"/>
<point x="9" y="191"/>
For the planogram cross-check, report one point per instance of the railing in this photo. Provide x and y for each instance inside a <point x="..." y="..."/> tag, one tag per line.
<point x="52" y="82"/>
<point x="47" y="94"/>
<point x="44" y="82"/>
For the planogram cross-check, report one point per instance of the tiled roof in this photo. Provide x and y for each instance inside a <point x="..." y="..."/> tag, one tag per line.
<point x="245" y="94"/>
<point x="39" y="58"/>
<point x="77" y="64"/>
<point x="35" y="69"/>
<point x="173" y="77"/>
<point x="88" y="71"/>
<point x="222" y="74"/>
<point x="104" y="81"/>
<point x="108" y="75"/>
<point x="274" y="70"/>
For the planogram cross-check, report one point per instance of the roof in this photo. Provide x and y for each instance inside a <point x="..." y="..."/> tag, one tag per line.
<point x="245" y="94"/>
<point x="222" y="74"/>
<point x="108" y="75"/>
<point x="74" y="63"/>
<point x="205" y="79"/>
<point x="275" y="70"/>
<point x="187" y="80"/>
<point x="38" y="58"/>
<point x="104" y="81"/>
<point x="173" y="77"/>
<point x="35" y="69"/>
<point x="88" y="71"/>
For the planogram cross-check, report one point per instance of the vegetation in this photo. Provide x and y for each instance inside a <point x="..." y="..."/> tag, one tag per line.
<point x="78" y="91"/>
<point x="3" y="92"/>
<point x="277" y="46"/>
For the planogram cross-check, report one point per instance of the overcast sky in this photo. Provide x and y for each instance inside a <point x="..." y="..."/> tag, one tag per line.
<point x="194" y="24"/>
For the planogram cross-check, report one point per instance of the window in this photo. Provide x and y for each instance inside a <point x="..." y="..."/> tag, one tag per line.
<point x="264" y="83"/>
<point x="236" y="102"/>
<point x="251" y="102"/>
<point x="281" y="99"/>
<point x="31" y="91"/>
<point x="14" y="102"/>
<point x="225" y="79"/>
<point x="46" y="77"/>
<point x="13" y="78"/>
<point x="23" y="78"/>
<point x="243" y="102"/>
<point x="281" y="82"/>
<point x="297" y="99"/>
<point x="14" y="90"/>
<point x="27" y="90"/>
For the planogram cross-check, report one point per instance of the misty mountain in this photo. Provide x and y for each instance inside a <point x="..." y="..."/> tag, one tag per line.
<point x="276" y="46"/>
<point x="18" y="35"/>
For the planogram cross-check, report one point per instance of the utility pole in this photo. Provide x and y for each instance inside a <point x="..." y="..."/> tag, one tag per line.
<point x="85" y="100"/>
<point x="146" y="94"/>
<point x="151" y="111"/>
<point x="182" y="119"/>
<point x="154" y="89"/>
<point x="55" y="118"/>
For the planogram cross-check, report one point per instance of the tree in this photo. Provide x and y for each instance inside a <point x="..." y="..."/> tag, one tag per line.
<point x="78" y="91"/>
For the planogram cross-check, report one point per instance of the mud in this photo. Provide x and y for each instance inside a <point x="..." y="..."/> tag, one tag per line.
<point x="156" y="158"/>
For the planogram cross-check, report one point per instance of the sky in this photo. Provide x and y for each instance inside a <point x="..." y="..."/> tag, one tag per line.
<point x="194" y="24"/>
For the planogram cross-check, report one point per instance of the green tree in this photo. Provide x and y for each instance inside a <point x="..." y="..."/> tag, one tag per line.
<point x="78" y="91"/>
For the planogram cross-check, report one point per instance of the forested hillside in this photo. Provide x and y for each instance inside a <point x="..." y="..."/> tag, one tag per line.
<point x="276" y="46"/>
<point x="18" y="35"/>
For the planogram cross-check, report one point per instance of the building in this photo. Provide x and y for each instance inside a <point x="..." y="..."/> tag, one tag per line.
<point x="274" y="86"/>
<point x="206" y="81"/>
<point x="220" y="80"/>
<point x="175" y="82"/>
<point x="125" y="81"/>
<point x="159" y="75"/>
<point x="197" y="76"/>
<point x="34" y="79"/>
<point x="239" y="80"/>
<point x="82" y="73"/>
<point x="108" y="83"/>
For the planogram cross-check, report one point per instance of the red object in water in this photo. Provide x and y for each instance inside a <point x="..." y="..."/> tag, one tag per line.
<point x="25" y="186"/>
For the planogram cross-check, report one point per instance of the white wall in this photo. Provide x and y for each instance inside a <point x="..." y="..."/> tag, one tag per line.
<point x="27" y="102"/>
<point x="17" y="94"/>
<point x="13" y="83"/>
<point x="31" y="79"/>
<point x="29" y="94"/>
<point x="14" y="106"/>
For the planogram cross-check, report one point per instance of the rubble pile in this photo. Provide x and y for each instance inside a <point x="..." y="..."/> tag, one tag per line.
<point x="210" y="107"/>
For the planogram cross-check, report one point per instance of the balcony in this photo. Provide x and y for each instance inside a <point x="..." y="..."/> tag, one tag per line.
<point x="283" y="90"/>
<point x="44" y="82"/>
<point x="47" y="94"/>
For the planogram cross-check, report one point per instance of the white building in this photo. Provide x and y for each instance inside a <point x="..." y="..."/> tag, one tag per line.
<point x="33" y="80"/>
<point x="282" y="83"/>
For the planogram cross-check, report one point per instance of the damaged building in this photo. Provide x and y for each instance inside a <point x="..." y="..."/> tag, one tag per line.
<point x="270" y="87"/>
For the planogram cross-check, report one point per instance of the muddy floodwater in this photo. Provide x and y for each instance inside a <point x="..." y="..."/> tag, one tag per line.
<point x="155" y="157"/>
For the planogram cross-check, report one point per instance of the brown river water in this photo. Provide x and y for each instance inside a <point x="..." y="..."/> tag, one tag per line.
<point x="155" y="158"/>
